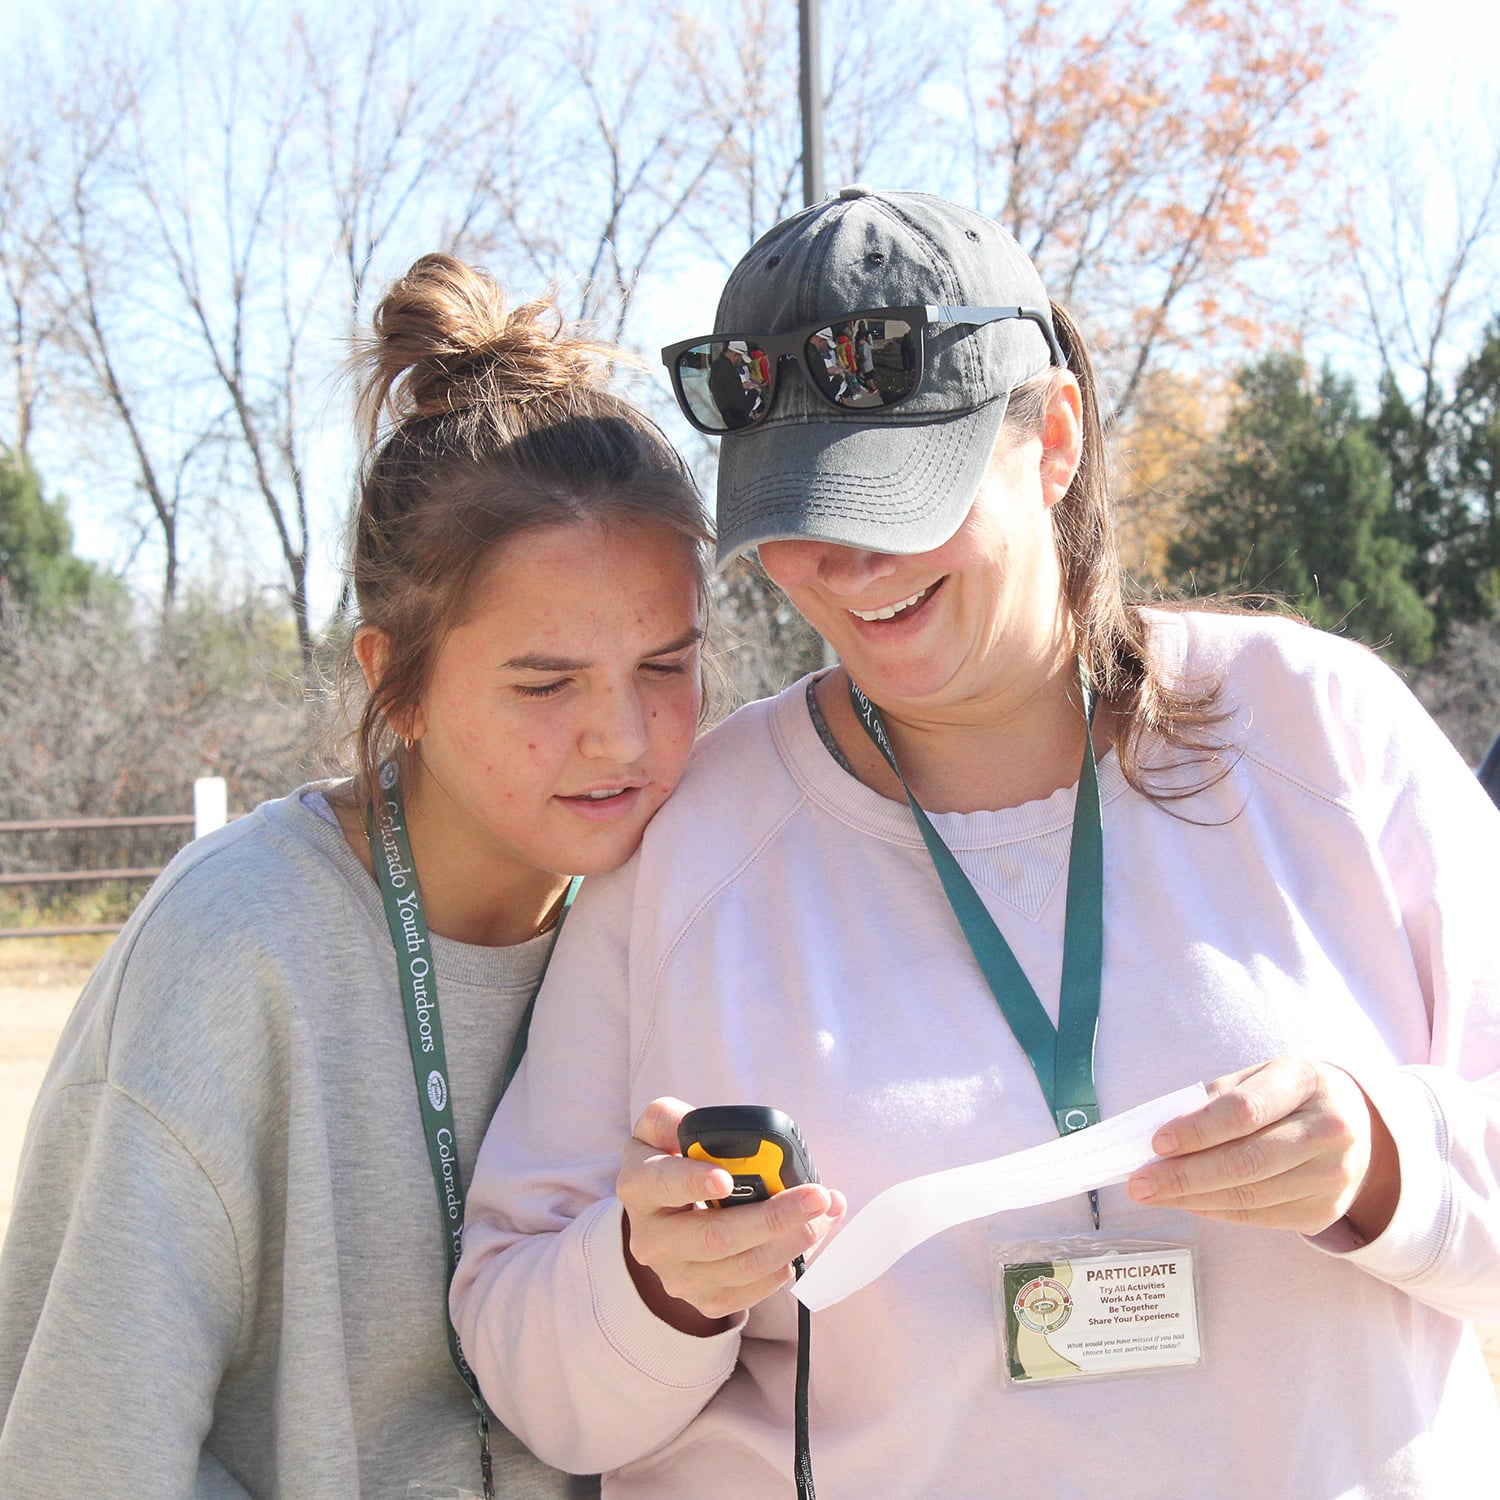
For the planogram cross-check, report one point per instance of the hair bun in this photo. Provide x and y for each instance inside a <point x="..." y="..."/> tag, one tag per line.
<point x="443" y="340"/>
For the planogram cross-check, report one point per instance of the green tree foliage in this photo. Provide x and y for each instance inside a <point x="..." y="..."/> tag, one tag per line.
<point x="1293" y="501"/>
<point x="1407" y="433"/>
<point x="37" y="565"/>
<point x="1444" y="457"/>
<point x="1475" y="542"/>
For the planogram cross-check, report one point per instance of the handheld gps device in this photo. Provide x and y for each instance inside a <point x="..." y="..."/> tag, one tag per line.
<point x="759" y="1147"/>
<point x="762" y="1150"/>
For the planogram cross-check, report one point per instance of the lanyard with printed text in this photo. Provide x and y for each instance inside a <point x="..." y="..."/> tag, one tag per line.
<point x="1062" y="1057"/>
<point x="390" y="850"/>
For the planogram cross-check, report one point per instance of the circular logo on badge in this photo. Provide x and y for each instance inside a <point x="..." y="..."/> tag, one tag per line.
<point x="1043" y="1305"/>
<point x="388" y="775"/>
<point x="437" y="1089"/>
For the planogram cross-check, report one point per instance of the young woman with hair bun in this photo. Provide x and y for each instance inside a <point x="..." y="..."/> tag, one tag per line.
<point x="239" y="1199"/>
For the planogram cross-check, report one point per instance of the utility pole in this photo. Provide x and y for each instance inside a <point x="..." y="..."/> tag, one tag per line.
<point x="808" y="15"/>
<point x="812" y="103"/>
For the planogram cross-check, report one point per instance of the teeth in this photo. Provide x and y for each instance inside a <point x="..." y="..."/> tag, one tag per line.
<point x="605" y="795"/>
<point x="891" y="610"/>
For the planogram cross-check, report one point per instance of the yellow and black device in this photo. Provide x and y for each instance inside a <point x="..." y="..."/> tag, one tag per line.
<point x="759" y="1147"/>
<point x="764" y="1152"/>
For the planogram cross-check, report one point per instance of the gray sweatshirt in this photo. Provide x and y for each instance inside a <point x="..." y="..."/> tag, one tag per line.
<point x="224" y="1275"/>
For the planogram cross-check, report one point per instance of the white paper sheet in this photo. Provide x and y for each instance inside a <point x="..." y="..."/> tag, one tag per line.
<point x="903" y="1216"/>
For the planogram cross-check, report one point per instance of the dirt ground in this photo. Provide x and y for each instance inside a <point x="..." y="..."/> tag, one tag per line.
<point x="39" y="982"/>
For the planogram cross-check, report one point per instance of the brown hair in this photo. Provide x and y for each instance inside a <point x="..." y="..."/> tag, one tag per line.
<point x="483" y="423"/>
<point x="1111" y="631"/>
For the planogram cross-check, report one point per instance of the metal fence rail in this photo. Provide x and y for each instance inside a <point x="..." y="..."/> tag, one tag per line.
<point x="211" y="812"/>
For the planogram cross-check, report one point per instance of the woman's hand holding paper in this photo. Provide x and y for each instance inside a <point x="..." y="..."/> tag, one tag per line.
<point x="1288" y="1144"/>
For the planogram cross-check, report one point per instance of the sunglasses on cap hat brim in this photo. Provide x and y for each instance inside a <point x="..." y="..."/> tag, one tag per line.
<point x="894" y="361"/>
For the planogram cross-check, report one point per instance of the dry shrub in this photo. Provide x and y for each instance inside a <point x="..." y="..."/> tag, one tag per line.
<point x="108" y="715"/>
<point x="1460" y="687"/>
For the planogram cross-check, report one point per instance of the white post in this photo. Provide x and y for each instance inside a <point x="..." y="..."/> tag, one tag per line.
<point x="210" y="804"/>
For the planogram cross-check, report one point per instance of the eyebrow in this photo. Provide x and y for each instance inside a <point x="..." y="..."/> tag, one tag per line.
<point x="536" y="662"/>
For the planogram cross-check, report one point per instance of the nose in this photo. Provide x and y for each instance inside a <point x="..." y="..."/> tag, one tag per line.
<point x="616" y="728"/>
<point x="840" y="570"/>
<point x="851" y="570"/>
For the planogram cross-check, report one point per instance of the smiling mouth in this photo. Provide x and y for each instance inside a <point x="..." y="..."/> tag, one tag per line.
<point x="607" y="804"/>
<point x="890" y="611"/>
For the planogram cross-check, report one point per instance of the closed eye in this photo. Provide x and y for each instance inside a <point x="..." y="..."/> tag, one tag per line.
<point x="542" y="690"/>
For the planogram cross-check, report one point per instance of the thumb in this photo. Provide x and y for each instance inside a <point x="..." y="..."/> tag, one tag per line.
<point x="657" y="1126"/>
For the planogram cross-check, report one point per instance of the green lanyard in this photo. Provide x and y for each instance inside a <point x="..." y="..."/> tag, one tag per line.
<point x="1062" y="1057"/>
<point x="390" y="849"/>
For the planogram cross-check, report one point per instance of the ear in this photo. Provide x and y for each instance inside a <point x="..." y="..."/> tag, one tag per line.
<point x="1062" y="439"/>
<point x="372" y="650"/>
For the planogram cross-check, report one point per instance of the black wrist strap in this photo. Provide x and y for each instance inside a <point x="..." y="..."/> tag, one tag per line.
<point x="801" y="1458"/>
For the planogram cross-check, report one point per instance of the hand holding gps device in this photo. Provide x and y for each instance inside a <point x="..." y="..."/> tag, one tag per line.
<point x="759" y="1147"/>
<point x="765" y="1154"/>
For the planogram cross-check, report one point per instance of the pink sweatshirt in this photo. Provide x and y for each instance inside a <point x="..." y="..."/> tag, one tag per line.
<point x="781" y="938"/>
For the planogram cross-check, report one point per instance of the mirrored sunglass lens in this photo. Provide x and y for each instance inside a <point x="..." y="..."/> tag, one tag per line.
<point x="726" y="383"/>
<point x="865" y="362"/>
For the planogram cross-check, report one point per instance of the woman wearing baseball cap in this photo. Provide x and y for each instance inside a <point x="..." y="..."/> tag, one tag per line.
<point x="1031" y="856"/>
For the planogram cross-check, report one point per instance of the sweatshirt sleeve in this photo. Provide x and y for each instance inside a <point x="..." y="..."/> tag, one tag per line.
<point x="567" y="1354"/>
<point x="1438" y="836"/>
<point x="120" y="1302"/>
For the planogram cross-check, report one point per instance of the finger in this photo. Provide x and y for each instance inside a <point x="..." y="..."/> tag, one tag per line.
<point x="1247" y="1198"/>
<point x="751" y="1240"/>
<point x="658" y="1123"/>
<point x="734" y="1258"/>
<point x="1306" y="1199"/>
<point x="722" y="1261"/>
<point x="731" y="1247"/>
<point x="652" y="1180"/>
<point x="1301" y="1215"/>
<point x="1283" y="1148"/>
<point x="1241" y="1104"/>
<point x="1303" y="1174"/>
<point x="781" y="1227"/>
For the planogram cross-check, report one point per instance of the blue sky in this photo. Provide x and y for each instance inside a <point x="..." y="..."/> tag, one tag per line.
<point x="1434" y="64"/>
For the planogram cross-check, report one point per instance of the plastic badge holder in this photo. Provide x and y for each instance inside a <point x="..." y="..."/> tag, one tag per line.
<point x="1096" y="1308"/>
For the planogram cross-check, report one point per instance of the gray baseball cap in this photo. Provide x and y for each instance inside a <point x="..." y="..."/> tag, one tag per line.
<point x="902" y="481"/>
